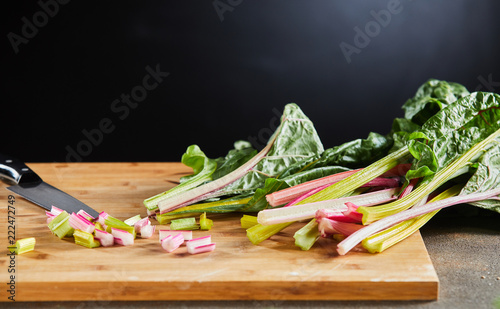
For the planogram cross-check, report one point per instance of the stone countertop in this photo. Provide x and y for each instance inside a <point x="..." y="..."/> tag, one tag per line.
<point x="464" y="246"/>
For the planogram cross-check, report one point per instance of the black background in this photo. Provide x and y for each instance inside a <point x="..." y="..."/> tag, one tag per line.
<point x="229" y="77"/>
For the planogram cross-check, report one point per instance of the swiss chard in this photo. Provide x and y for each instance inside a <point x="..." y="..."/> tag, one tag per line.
<point x="454" y="137"/>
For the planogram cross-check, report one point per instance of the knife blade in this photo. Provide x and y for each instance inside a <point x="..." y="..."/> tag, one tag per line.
<point x="31" y="187"/>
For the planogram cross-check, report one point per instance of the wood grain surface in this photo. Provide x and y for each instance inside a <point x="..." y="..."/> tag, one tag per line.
<point x="273" y="270"/>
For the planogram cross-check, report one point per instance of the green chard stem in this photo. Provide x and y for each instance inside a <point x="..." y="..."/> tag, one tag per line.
<point x="85" y="239"/>
<point x="374" y="213"/>
<point x="185" y="224"/>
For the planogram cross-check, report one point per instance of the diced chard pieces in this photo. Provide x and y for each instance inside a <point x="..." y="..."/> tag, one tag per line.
<point x="122" y="237"/>
<point x="139" y="224"/>
<point x="23" y="245"/>
<point x="106" y="239"/>
<point x="78" y="222"/>
<point x="132" y="220"/>
<point x="200" y="241"/>
<point x="170" y="243"/>
<point x="184" y="224"/>
<point x="187" y="235"/>
<point x="84" y="214"/>
<point x="147" y="231"/>
<point x="85" y="239"/>
<point x="202" y="249"/>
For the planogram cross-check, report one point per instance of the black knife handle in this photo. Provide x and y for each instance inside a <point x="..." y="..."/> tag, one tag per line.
<point x="16" y="171"/>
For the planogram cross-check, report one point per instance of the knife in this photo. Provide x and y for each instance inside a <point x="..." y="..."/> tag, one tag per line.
<point x="30" y="186"/>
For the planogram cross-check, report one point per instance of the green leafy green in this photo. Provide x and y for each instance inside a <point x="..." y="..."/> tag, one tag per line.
<point x="486" y="177"/>
<point x="452" y="131"/>
<point x="430" y="98"/>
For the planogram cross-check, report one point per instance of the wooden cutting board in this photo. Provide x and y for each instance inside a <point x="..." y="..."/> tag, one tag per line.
<point x="274" y="270"/>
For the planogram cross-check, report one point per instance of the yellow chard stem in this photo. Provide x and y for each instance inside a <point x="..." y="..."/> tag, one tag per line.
<point x="356" y="180"/>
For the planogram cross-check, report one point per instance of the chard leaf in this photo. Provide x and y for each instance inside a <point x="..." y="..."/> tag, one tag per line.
<point x="430" y="98"/>
<point x="486" y="177"/>
<point x="454" y="130"/>
<point x="296" y="139"/>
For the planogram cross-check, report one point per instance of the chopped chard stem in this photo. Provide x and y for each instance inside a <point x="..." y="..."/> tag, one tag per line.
<point x="106" y="239"/>
<point x="360" y="178"/>
<point x="187" y="235"/>
<point x="202" y="249"/>
<point x="200" y="241"/>
<point x="132" y="220"/>
<point x="122" y="237"/>
<point x="170" y="243"/>
<point x="60" y="225"/>
<point x="85" y="239"/>
<point x="205" y="223"/>
<point x="147" y="231"/>
<point x="23" y="245"/>
<point x="184" y="224"/>
<point x="80" y="223"/>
